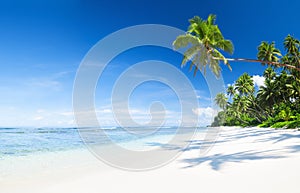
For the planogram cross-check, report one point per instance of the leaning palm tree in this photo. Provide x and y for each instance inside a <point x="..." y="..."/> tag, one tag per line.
<point x="204" y="42"/>
<point x="267" y="54"/>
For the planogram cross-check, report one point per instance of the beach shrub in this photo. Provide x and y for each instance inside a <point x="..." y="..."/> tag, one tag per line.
<point x="293" y="124"/>
<point x="264" y="124"/>
<point x="283" y="124"/>
<point x="285" y="114"/>
<point x="270" y="121"/>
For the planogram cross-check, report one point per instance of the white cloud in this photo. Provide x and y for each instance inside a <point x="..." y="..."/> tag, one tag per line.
<point x="46" y="83"/>
<point x="258" y="80"/>
<point x="205" y="115"/>
<point x="207" y="112"/>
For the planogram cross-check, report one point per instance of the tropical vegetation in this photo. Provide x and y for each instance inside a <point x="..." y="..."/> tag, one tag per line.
<point x="274" y="104"/>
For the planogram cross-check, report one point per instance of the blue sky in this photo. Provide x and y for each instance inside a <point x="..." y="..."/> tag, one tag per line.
<point x="43" y="43"/>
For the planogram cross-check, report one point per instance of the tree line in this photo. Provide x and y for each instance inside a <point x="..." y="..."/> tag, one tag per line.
<point x="275" y="104"/>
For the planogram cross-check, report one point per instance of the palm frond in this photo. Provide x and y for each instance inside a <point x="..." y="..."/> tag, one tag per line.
<point x="186" y="40"/>
<point x="190" y="53"/>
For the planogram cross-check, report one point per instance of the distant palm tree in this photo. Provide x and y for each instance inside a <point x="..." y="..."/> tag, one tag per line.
<point x="291" y="45"/>
<point x="244" y="85"/>
<point x="283" y="86"/>
<point x="205" y="41"/>
<point x="221" y="100"/>
<point x="295" y="92"/>
<point x="239" y="106"/>
<point x="232" y="111"/>
<point x="296" y="89"/>
<point x="244" y="104"/>
<point x="292" y="57"/>
<point x="230" y="90"/>
<point x="269" y="73"/>
<point x="267" y="52"/>
<point x="266" y="94"/>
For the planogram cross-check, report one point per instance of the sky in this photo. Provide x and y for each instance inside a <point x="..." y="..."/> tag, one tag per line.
<point x="42" y="44"/>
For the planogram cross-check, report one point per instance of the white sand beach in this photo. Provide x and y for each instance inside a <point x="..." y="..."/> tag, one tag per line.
<point x="247" y="160"/>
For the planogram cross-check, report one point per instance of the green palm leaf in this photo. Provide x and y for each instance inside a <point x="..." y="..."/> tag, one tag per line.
<point x="203" y="42"/>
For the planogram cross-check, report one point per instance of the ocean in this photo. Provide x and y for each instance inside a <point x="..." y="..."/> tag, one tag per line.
<point x="28" y="141"/>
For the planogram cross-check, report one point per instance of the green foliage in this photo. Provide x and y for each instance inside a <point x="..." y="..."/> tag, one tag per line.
<point x="280" y="124"/>
<point x="268" y="123"/>
<point x="276" y="104"/>
<point x="287" y="124"/>
<point x="244" y="84"/>
<point x="221" y="100"/>
<point x="268" y="52"/>
<point x="219" y="119"/>
<point x="204" y="41"/>
<point x="285" y="114"/>
<point x="294" y="124"/>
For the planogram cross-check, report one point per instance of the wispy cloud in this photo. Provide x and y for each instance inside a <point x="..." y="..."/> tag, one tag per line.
<point x="52" y="84"/>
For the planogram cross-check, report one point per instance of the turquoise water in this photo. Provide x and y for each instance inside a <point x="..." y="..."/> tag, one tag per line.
<point x="26" y="141"/>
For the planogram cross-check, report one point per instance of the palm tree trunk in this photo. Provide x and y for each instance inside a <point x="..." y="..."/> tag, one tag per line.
<point x="259" y="61"/>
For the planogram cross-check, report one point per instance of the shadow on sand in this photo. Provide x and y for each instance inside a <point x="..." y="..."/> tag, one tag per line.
<point x="263" y="136"/>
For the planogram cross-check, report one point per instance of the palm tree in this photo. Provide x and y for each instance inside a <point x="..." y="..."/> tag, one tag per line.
<point x="230" y="90"/>
<point x="255" y="110"/>
<point x="244" y="104"/>
<point x="291" y="45"/>
<point x="296" y="89"/>
<point x="283" y="82"/>
<point x="238" y="107"/>
<point x="295" y="93"/>
<point x="232" y="111"/>
<point x="221" y="100"/>
<point x="244" y="85"/>
<point x="269" y="73"/>
<point x="205" y="41"/>
<point x="267" y="52"/>
<point x="266" y="95"/>
<point x="292" y="57"/>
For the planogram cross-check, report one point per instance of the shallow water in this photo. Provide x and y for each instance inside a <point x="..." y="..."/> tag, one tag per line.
<point x="27" y="141"/>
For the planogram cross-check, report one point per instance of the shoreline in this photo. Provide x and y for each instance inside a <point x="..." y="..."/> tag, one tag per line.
<point x="257" y="127"/>
<point x="261" y="159"/>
